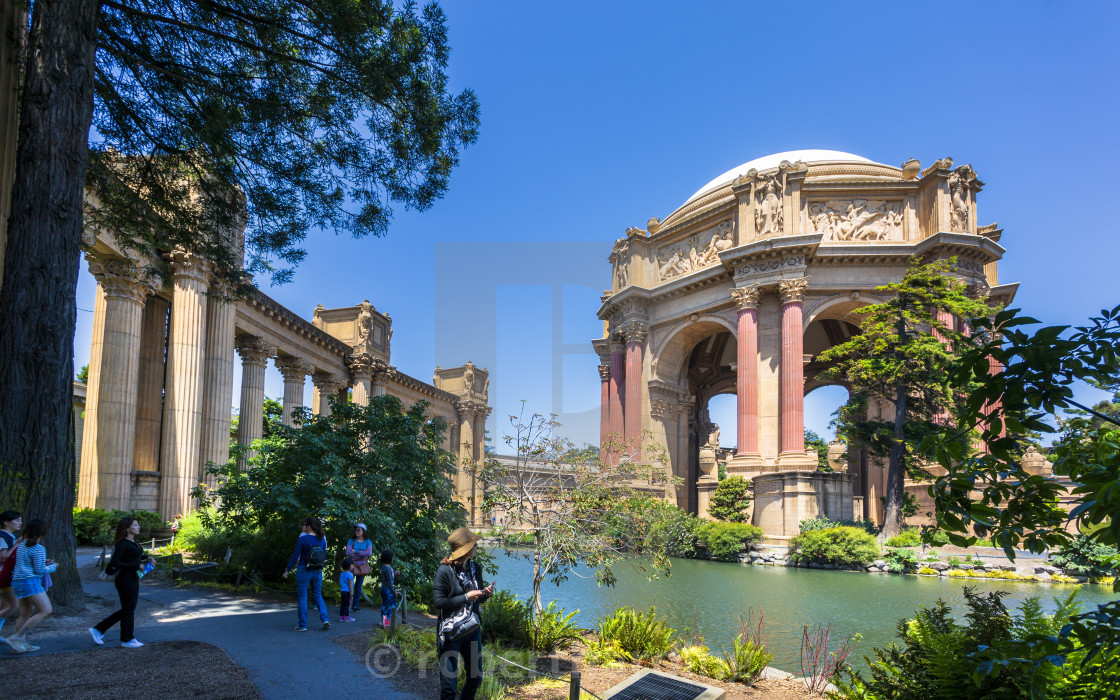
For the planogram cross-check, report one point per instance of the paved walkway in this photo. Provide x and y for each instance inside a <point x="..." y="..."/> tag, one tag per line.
<point x="258" y="637"/>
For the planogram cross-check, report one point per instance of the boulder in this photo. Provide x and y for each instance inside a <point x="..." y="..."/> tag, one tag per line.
<point x="937" y="565"/>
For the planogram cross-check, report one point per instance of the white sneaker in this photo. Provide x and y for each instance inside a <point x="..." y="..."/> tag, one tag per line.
<point x="132" y="644"/>
<point x="98" y="638"/>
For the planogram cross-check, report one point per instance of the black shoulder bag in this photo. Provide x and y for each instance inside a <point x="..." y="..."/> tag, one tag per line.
<point x="459" y="624"/>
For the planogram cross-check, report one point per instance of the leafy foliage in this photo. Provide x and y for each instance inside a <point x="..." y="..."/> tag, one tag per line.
<point x="507" y="619"/>
<point x="896" y="360"/>
<point x="910" y="537"/>
<point x="83" y="374"/>
<point x="726" y="541"/>
<point x="899" y="561"/>
<point x="97" y="525"/>
<point x="635" y="636"/>
<point x="552" y="630"/>
<point x="825" y="524"/>
<point x="731" y="500"/>
<point x="842" y="546"/>
<point x="1084" y="557"/>
<point x="818" y="445"/>
<point x="375" y="464"/>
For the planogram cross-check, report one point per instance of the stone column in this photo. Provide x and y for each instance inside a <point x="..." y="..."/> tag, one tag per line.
<point x="149" y="392"/>
<point x="635" y="340"/>
<point x="466" y="411"/>
<point x="217" y="396"/>
<point x="792" y="369"/>
<point x="361" y="377"/>
<point x="182" y="406"/>
<point x="254" y="354"/>
<point x="746" y="375"/>
<point x="327" y="385"/>
<point x="87" y="470"/>
<point x="604" y="410"/>
<point x="295" y="371"/>
<point x="617" y="388"/>
<point x="480" y="456"/>
<point x="125" y="287"/>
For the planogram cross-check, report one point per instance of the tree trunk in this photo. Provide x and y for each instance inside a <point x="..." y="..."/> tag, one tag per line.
<point x="537" y="575"/>
<point x="37" y="309"/>
<point x="892" y="517"/>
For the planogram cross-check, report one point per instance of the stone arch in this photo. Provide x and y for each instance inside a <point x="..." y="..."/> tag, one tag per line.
<point x="671" y="355"/>
<point x="839" y="307"/>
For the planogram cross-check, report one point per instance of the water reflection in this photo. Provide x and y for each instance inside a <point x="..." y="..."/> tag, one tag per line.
<point x="714" y="594"/>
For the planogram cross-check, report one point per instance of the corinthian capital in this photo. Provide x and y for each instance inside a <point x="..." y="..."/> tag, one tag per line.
<point x="793" y="290"/>
<point x="293" y="369"/>
<point x="187" y="264"/>
<point x="605" y="372"/>
<point x="634" y="332"/>
<point x="122" y="279"/>
<point x="745" y="297"/>
<point x="361" y="366"/>
<point x="253" y="350"/>
<point x="327" y="382"/>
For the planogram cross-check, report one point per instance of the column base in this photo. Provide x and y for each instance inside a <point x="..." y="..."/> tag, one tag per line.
<point x="746" y="465"/>
<point x="704" y="490"/>
<point x="797" y="460"/>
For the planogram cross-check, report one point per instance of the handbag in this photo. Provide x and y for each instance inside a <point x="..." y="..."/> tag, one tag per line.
<point x="360" y="569"/>
<point x="459" y="624"/>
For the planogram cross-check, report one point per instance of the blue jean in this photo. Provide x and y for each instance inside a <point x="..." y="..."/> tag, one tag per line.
<point x="314" y="579"/>
<point x="357" y="598"/>
<point x="470" y="649"/>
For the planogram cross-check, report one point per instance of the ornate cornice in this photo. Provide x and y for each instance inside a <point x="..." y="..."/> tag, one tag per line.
<point x="253" y="350"/>
<point x="745" y="297"/>
<point x="793" y="290"/>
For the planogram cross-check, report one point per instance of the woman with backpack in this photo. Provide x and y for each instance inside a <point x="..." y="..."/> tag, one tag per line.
<point x="308" y="561"/>
<point x="126" y="561"/>
<point x="458" y="591"/>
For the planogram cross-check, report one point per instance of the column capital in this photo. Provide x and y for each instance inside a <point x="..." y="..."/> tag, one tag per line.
<point x="381" y="368"/>
<point x="605" y="372"/>
<point x="328" y="382"/>
<point x="745" y="297"/>
<point x="361" y="366"/>
<point x="793" y="290"/>
<point x="634" y="332"/>
<point x="123" y="279"/>
<point x="467" y="409"/>
<point x="253" y="350"/>
<point x="187" y="264"/>
<point x="293" y="369"/>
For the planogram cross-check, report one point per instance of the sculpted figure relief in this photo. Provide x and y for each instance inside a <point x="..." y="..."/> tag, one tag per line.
<point x="857" y="220"/>
<point x="620" y="259"/>
<point x="958" y="188"/>
<point x="690" y="255"/>
<point x="768" y="217"/>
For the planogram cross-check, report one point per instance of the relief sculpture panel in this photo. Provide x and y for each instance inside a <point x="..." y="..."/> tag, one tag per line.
<point x="695" y="252"/>
<point x="857" y="219"/>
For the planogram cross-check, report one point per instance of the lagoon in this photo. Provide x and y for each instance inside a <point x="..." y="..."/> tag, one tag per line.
<point x="712" y="594"/>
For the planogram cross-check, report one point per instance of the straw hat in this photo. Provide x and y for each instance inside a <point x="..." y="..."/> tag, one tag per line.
<point x="462" y="541"/>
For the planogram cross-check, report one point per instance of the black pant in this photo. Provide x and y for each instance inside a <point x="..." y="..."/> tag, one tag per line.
<point x="470" y="649"/>
<point x="344" y="609"/>
<point x="128" y="588"/>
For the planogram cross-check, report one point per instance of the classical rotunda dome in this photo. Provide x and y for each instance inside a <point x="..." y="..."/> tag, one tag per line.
<point x="808" y="155"/>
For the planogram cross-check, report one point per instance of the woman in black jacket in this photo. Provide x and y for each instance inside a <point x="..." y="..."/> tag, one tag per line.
<point x="458" y="583"/>
<point x="126" y="561"/>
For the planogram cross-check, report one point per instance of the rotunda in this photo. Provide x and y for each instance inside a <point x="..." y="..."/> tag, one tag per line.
<point x="743" y="285"/>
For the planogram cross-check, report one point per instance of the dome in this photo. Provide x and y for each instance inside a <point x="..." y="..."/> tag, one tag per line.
<point x="774" y="160"/>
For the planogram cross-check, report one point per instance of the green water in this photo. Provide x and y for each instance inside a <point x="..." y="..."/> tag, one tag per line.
<point x="714" y="594"/>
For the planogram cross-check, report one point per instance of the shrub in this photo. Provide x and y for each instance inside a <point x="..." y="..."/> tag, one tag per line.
<point x="1084" y="557"/>
<point x="677" y="529"/>
<point x="937" y="538"/>
<point x="637" y="636"/>
<point x="699" y="660"/>
<point x="838" y="545"/>
<point x="97" y="525"/>
<point x="749" y="657"/>
<point x="551" y="629"/>
<point x="826" y="524"/>
<point x="507" y="620"/>
<point x="926" y="571"/>
<point x="731" y="500"/>
<point x="725" y="541"/>
<point x="901" y="560"/>
<point x="910" y="537"/>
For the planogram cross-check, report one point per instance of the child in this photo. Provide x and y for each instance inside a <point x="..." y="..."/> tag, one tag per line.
<point x="346" y="586"/>
<point x="388" y="593"/>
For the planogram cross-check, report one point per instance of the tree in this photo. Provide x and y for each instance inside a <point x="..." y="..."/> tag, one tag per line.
<point x="569" y="503"/>
<point x="731" y="500"/>
<point x="820" y="447"/>
<point x="898" y="361"/>
<point x="401" y="487"/>
<point x="83" y="374"/>
<point x="208" y="115"/>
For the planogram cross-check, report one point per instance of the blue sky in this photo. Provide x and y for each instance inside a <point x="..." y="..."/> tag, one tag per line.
<point x="596" y="117"/>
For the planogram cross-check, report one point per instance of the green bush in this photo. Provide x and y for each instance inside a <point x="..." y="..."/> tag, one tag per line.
<point x="936" y="538"/>
<point x="505" y="619"/>
<point x="1084" y="557"/>
<point x="699" y="660"/>
<point x="747" y="661"/>
<point x="839" y="545"/>
<point x="731" y="500"/>
<point x="725" y="541"/>
<point x="910" y="537"/>
<point x="97" y="525"/>
<point x="551" y="629"/>
<point x="826" y="524"/>
<point x="901" y="560"/>
<point x="636" y="636"/>
<point x="677" y="529"/>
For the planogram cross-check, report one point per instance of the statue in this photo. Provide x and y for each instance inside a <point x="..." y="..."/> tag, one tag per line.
<point x="468" y="378"/>
<point x="768" y="212"/>
<point x="620" y="258"/>
<point x="365" y="321"/>
<point x="959" y="189"/>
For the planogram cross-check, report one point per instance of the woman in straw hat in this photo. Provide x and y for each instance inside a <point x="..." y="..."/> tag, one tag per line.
<point x="459" y="582"/>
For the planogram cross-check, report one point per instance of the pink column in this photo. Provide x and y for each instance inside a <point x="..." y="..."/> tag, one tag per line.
<point x="617" y="386"/>
<point x="604" y="409"/>
<point x="746" y="379"/>
<point x="635" y="339"/>
<point x="792" y="370"/>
